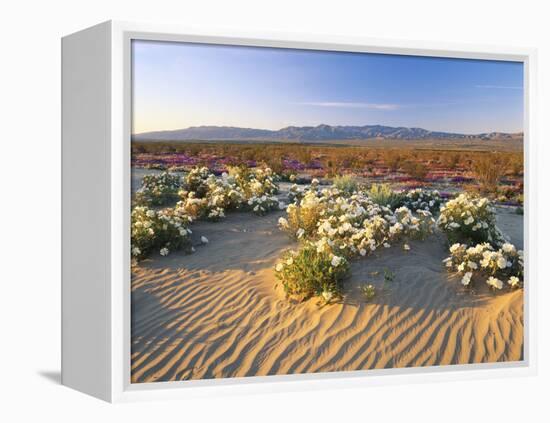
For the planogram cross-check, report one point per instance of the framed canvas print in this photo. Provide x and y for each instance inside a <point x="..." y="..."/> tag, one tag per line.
<point x="256" y="212"/>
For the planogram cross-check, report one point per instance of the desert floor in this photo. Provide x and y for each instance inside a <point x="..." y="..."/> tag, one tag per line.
<point x="219" y="312"/>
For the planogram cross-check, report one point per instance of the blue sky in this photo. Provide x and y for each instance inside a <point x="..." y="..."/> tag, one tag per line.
<point x="177" y="85"/>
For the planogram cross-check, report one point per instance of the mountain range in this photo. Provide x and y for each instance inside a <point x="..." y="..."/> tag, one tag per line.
<point x="312" y="133"/>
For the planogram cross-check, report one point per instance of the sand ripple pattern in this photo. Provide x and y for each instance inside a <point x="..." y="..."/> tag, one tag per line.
<point x="216" y="314"/>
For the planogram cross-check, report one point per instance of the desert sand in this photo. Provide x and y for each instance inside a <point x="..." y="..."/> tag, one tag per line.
<point x="219" y="313"/>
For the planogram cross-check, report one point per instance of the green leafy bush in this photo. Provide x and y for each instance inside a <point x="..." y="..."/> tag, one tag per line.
<point x="384" y="195"/>
<point x="368" y="291"/>
<point x="311" y="271"/>
<point x="345" y="183"/>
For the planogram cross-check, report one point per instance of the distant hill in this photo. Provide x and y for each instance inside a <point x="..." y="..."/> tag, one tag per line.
<point x="313" y="133"/>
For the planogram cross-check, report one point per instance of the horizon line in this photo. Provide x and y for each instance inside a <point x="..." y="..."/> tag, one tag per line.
<point x="324" y="124"/>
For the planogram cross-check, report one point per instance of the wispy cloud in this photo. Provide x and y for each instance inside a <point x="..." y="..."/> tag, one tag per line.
<point x="350" y="105"/>
<point x="499" y="87"/>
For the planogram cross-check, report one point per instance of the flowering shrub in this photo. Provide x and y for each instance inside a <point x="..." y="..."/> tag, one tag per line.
<point x="333" y="224"/>
<point x="262" y="205"/>
<point x="195" y="181"/>
<point x="482" y="261"/>
<point x="302" y="218"/>
<point x="165" y="231"/>
<point x="295" y="194"/>
<point x="311" y="271"/>
<point x="158" y="190"/>
<point x="378" y="227"/>
<point x="471" y="220"/>
<point x="205" y="196"/>
<point x="217" y="196"/>
<point x="419" y="199"/>
<point x="352" y="225"/>
<point x="254" y="182"/>
<point x="200" y="208"/>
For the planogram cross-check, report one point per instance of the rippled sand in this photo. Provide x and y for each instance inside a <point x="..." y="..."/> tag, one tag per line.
<point x="218" y="312"/>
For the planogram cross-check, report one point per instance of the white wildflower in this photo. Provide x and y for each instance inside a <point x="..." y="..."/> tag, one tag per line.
<point x="327" y="295"/>
<point x="508" y="248"/>
<point x="336" y="260"/>
<point x="513" y="281"/>
<point x="501" y="262"/>
<point x="454" y="247"/>
<point x="466" y="278"/>
<point x="495" y="283"/>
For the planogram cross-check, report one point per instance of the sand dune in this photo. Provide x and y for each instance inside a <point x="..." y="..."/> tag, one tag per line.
<point x="217" y="313"/>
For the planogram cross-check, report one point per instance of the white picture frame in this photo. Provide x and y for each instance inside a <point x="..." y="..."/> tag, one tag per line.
<point x="96" y="113"/>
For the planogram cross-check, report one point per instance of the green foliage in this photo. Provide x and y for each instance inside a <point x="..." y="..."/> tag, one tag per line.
<point x="384" y="195"/>
<point x="309" y="272"/>
<point x="368" y="291"/>
<point x="389" y="276"/>
<point x="345" y="183"/>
